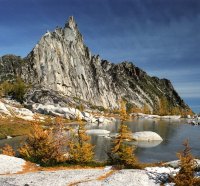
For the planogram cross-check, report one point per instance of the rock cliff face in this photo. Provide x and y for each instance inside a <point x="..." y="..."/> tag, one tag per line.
<point x="61" y="62"/>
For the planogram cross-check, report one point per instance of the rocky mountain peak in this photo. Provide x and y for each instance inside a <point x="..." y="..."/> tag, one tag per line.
<point x="61" y="63"/>
<point x="71" y="23"/>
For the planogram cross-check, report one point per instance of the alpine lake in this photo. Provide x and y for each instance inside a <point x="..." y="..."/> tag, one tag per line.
<point x="173" y="132"/>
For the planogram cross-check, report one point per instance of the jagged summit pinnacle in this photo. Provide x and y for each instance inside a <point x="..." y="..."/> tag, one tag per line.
<point x="61" y="62"/>
<point x="71" y="23"/>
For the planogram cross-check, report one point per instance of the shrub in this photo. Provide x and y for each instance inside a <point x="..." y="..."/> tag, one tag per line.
<point x="8" y="150"/>
<point x="80" y="149"/>
<point x="16" y="89"/>
<point x="6" y="87"/>
<point x="19" y="90"/>
<point x="121" y="153"/>
<point x="43" y="147"/>
<point x="186" y="176"/>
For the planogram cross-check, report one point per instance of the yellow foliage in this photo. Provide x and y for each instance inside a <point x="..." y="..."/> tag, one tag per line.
<point x="122" y="111"/>
<point x="121" y="153"/>
<point x="8" y="150"/>
<point x="146" y="109"/>
<point x="80" y="149"/>
<point x="186" y="176"/>
<point x="136" y="110"/>
<point x="43" y="147"/>
<point x="164" y="108"/>
<point x="185" y="113"/>
<point x="175" y="111"/>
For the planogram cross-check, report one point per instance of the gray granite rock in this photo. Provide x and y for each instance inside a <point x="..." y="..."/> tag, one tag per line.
<point x="62" y="64"/>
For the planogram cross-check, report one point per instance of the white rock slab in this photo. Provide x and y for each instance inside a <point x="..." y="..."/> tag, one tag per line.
<point x="175" y="163"/>
<point x="129" y="178"/>
<point x="146" y="136"/>
<point x="10" y="165"/>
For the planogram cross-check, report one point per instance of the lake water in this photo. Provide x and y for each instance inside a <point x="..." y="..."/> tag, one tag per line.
<point x="172" y="132"/>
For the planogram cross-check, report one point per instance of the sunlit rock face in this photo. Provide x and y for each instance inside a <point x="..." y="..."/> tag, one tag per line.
<point x="61" y="62"/>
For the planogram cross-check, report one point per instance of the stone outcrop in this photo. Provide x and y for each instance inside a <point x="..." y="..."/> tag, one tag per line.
<point x="146" y="136"/>
<point x="62" y="63"/>
<point x="13" y="109"/>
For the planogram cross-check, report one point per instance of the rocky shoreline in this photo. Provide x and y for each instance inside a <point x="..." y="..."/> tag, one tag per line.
<point x="14" y="172"/>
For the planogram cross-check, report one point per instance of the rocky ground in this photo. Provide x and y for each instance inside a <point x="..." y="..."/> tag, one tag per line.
<point x="17" y="172"/>
<point x="14" y="172"/>
<point x="11" y="108"/>
<point x="86" y="177"/>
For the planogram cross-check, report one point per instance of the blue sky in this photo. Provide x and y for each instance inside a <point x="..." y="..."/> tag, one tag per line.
<point x="160" y="36"/>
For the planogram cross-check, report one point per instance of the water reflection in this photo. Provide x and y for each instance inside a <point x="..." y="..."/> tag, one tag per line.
<point x="172" y="132"/>
<point x="145" y="144"/>
<point x="14" y="142"/>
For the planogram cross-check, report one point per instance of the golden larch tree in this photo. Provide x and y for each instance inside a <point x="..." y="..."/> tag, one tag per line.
<point x="122" y="153"/>
<point x="8" y="150"/>
<point x="80" y="148"/>
<point x="186" y="175"/>
<point x="43" y="147"/>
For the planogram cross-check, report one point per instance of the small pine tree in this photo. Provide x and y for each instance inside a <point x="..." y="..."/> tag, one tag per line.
<point x="122" y="111"/>
<point x="42" y="147"/>
<point x="8" y="150"/>
<point x="80" y="149"/>
<point x="186" y="176"/>
<point x="121" y="153"/>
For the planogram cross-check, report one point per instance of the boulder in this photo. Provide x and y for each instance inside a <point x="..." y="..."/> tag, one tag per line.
<point x="175" y="163"/>
<point x="56" y="110"/>
<point x="146" y="136"/>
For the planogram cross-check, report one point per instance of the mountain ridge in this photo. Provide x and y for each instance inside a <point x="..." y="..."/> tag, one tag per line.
<point x="61" y="62"/>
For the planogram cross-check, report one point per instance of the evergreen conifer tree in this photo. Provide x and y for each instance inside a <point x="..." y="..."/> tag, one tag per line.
<point x="80" y="149"/>
<point x="121" y="153"/>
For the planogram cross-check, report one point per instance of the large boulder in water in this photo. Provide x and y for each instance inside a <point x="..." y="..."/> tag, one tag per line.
<point x="146" y="136"/>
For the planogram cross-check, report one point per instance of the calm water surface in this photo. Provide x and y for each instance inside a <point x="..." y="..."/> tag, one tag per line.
<point x="172" y="132"/>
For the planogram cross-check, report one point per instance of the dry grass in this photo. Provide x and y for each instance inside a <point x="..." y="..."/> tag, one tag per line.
<point x="29" y="167"/>
<point x="108" y="174"/>
<point x="14" y="127"/>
